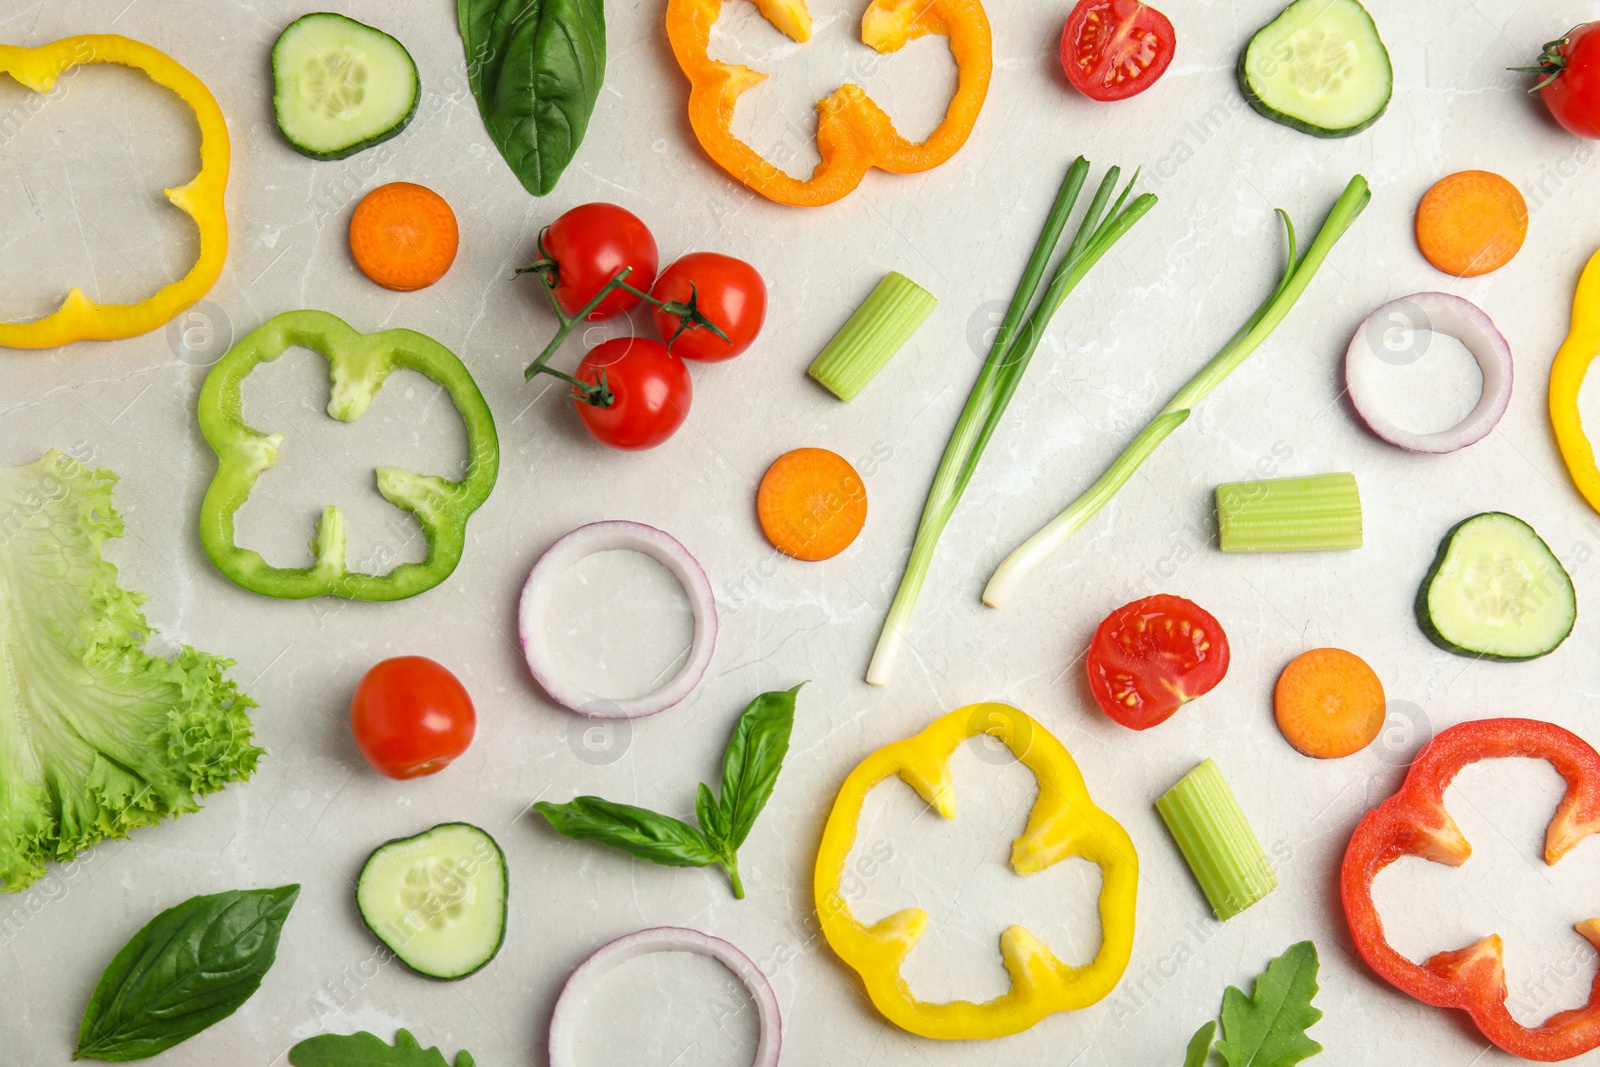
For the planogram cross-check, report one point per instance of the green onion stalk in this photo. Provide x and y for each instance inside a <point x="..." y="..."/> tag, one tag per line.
<point x="1019" y="335"/>
<point x="1297" y="276"/>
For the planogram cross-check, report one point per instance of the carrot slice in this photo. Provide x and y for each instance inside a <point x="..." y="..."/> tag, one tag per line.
<point x="811" y="504"/>
<point x="1329" y="703"/>
<point x="403" y="236"/>
<point x="1471" y="223"/>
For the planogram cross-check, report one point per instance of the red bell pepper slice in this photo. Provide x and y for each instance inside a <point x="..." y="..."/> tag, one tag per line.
<point x="1414" y="822"/>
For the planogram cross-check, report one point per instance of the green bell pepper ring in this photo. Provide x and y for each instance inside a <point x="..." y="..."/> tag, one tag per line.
<point x="358" y="365"/>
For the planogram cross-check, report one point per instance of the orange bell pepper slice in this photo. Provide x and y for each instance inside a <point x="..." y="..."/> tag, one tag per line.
<point x="854" y="134"/>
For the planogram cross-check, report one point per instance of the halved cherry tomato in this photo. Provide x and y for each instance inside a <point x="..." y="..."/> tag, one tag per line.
<point x="1114" y="49"/>
<point x="411" y="717"/>
<point x="727" y="291"/>
<point x="649" y="389"/>
<point x="1151" y="657"/>
<point x="586" y="247"/>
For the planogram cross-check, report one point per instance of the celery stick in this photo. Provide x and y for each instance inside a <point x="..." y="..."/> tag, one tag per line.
<point x="1211" y="832"/>
<point x="1314" y="514"/>
<point x="873" y="335"/>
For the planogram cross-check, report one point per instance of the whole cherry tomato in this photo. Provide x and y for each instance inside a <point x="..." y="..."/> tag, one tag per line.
<point x="648" y="388"/>
<point x="727" y="291"/>
<point x="411" y="717"/>
<point x="1114" y="49"/>
<point x="1153" y="656"/>
<point x="1569" y="84"/>
<point x="586" y="247"/>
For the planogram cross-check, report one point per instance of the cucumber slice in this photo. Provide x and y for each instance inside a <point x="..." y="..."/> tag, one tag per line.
<point x="1319" y="68"/>
<point x="1496" y="591"/>
<point x="339" y="85"/>
<point x="438" y="899"/>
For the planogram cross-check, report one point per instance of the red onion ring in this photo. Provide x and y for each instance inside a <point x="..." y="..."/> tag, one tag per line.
<point x="563" y="1027"/>
<point x="605" y="537"/>
<point x="1439" y="313"/>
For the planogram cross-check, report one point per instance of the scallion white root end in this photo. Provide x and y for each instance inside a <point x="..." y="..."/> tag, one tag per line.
<point x="1042" y="545"/>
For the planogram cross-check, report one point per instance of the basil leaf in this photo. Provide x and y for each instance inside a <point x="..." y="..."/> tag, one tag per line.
<point x="754" y="756"/>
<point x="191" y="966"/>
<point x="366" y="1050"/>
<point x="750" y="767"/>
<point x="535" y="67"/>
<point x="712" y="818"/>
<point x="658" y="838"/>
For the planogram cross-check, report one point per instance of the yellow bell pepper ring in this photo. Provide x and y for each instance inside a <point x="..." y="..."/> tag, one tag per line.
<point x="79" y="318"/>
<point x="854" y="134"/>
<point x="1064" y="822"/>
<point x="1571" y="366"/>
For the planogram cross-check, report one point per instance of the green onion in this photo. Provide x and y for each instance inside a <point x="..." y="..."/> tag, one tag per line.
<point x="1008" y="359"/>
<point x="1296" y="276"/>
<point x="873" y="335"/>
<point x="1290" y="514"/>
<point x="1214" y="837"/>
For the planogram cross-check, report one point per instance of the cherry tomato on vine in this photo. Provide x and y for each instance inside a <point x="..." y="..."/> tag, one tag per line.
<point x="1151" y="657"/>
<point x="1114" y="49"/>
<point x="649" y="389"/>
<point x="1569" y="79"/>
<point x="727" y="291"/>
<point x="586" y="247"/>
<point x="411" y="717"/>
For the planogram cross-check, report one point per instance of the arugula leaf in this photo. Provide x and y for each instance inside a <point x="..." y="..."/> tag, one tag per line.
<point x="1199" y="1050"/>
<point x="640" y="831"/>
<point x="1269" y="1028"/>
<point x="750" y="766"/>
<point x="711" y="816"/>
<point x="191" y="966"/>
<point x="366" y="1050"/>
<point x="535" y="68"/>
<point x="753" y="759"/>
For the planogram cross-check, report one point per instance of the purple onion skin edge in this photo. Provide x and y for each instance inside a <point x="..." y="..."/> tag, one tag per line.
<point x="1453" y="441"/>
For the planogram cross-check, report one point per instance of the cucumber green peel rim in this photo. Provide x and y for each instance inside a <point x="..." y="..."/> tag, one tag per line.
<point x="358" y="365"/>
<point x="1335" y="63"/>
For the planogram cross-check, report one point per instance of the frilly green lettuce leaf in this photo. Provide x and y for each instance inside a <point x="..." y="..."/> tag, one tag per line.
<point x="97" y="736"/>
